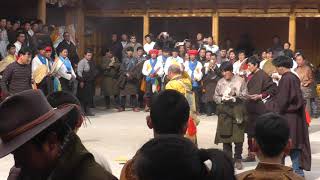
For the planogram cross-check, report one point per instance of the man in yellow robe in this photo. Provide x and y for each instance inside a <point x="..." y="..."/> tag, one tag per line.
<point x="181" y="82"/>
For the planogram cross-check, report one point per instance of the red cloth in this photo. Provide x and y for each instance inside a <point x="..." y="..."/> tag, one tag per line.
<point x="193" y="52"/>
<point x="154" y="51"/>
<point x="192" y="128"/>
<point x="48" y="48"/>
<point x="308" y="118"/>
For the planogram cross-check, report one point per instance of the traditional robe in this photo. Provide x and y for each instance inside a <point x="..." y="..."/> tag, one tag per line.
<point x="210" y="81"/>
<point x="231" y="115"/>
<point x="290" y="104"/>
<point x="258" y="83"/>
<point x="110" y="68"/>
<point x="128" y="84"/>
<point x="86" y="72"/>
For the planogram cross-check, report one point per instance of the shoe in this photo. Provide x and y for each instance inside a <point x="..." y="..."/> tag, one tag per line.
<point x="136" y="109"/>
<point x="120" y="109"/>
<point x="251" y="158"/>
<point x="238" y="164"/>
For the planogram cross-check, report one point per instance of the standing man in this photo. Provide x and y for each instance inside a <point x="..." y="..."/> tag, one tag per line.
<point x="86" y="75"/>
<point x="212" y="75"/>
<point x="211" y="45"/>
<point x="141" y="58"/>
<point x="116" y="46"/>
<point x="194" y="70"/>
<point x="163" y="58"/>
<point x="174" y="59"/>
<point x="40" y="68"/>
<point x="276" y="46"/>
<point x="110" y="66"/>
<point x="149" y="43"/>
<point x="307" y="81"/>
<point x="3" y="38"/>
<point x="124" y="40"/>
<point x="290" y="104"/>
<point x="261" y="89"/>
<point x="229" y="95"/>
<point x="222" y="55"/>
<point x="153" y="70"/>
<point x="134" y="44"/>
<point x="128" y="81"/>
<point x="202" y="56"/>
<point x="17" y="76"/>
<point x="20" y="41"/>
<point x="240" y="67"/>
<point x="72" y="49"/>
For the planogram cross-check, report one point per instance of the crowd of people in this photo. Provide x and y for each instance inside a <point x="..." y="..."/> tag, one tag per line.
<point x="267" y="94"/>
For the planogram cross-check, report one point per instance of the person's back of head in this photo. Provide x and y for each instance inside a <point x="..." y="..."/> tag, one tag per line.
<point x="272" y="135"/>
<point x="170" y="157"/>
<point x="169" y="113"/>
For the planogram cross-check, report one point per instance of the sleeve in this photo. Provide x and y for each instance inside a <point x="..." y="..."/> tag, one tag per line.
<point x="160" y="71"/>
<point x="166" y="66"/>
<point x="217" y="97"/>
<point x="144" y="68"/>
<point x="34" y="65"/>
<point x="283" y="97"/>
<point x="198" y="72"/>
<point x="269" y="87"/>
<point x="63" y="74"/>
<point x="80" y="68"/>
<point x="7" y="75"/>
<point x="243" y="90"/>
<point x="73" y="73"/>
<point x="310" y="76"/>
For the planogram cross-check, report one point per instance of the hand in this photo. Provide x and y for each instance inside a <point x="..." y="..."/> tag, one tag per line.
<point x="128" y="75"/>
<point x="256" y="97"/>
<point x="81" y="85"/>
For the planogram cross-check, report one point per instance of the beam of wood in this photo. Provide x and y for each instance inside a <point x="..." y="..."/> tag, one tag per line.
<point x="42" y="11"/>
<point x="80" y="27"/>
<point x="146" y="26"/>
<point x="215" y="27"/>
<point x="292" y="31"/>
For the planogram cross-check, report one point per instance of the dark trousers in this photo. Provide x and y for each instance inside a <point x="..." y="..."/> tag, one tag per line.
<point x="141" y="99"/>
<point x="197" y="92"/>
<point x="227" y="148"/>
<point x="210" y="108"/>
<point x="107" y="100"/>
<point x="133" y="101"/>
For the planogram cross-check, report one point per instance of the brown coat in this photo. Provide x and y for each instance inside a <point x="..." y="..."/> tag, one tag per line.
<point x="307" y="81"/>
<point x="265" y="171"/>
<point x="258" y="83"/>
<point x="129" y="85"/>
<point x="210" y="81"/>
<point x="109" y="84"/>
<point x="290" y="103"/>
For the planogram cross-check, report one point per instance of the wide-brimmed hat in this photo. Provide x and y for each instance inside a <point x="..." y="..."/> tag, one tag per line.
<point x="23" y="116"/>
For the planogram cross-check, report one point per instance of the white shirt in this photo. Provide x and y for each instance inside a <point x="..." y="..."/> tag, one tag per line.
<point x="213" y="48"/>
<point x="36" y="63"/>
<point x="146" y="69"/>
<point x="63" y="72"/>
<point x="147" y="47"/>
<point x="262" y="63"/>
<point x="197" y="72"/>
<point x="294" y="66"/>
<point x="30" y="32"/>
<point x="18" y="45"/>
<point x="172" y="60"/>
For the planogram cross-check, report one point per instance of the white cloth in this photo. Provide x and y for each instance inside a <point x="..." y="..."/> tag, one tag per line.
<point x="63" y="72"/>
<point x="237" y="66"/>
<point x="30" y="32"/>
<point x="18" y="46"/>
<point x="124" y="43"/>
<point x="172" y="60"/>
<point x="262" y="63"/>
<point x="213" y="48"/>
<point x="146" y="69"/>
<point x="197" y="72"/>
<point x="294" y="65"/>
<point x="147" y="47"/>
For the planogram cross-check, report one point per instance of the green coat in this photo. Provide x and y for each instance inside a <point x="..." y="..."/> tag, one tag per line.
<point x="228" y="129"/>
<point x="109" y="86"/>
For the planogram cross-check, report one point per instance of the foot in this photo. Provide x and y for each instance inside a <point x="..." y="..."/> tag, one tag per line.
<point x="136" y="109"/>
<point x="146" y="109"/>
<point x="238" y="164"/>
<point x="120" y="109"/>
<point x="250" y="158"/>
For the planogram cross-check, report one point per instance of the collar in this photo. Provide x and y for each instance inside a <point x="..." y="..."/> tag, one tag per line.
<point x="263" y="166"/>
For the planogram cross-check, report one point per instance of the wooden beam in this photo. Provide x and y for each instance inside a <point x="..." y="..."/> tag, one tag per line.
<point x="146" y="26"/>
<point x="80" y="26"/>
<point x="42" y="11"/>
<point x="215" y="27"/>
<point x="292" y="31"/>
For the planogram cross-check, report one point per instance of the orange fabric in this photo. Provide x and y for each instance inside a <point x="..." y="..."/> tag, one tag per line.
<point x="308" y="118"/>
<point x="192" y="128"/>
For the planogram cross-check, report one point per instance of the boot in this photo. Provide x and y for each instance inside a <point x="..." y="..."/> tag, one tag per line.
<point x="147" y="104"/>
<point x="88" y="111"/>
<point x="250" y="158"/>
<point x="238" y="164"/>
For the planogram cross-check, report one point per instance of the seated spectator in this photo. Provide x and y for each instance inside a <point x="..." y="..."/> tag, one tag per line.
<point x="62" y="98"/>
<point x="41" y="141"/>
<point x="173" y="157"/>
<point x="272" y="143"/>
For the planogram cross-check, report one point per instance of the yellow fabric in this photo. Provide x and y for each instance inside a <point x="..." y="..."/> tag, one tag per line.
<point x="176" y="85"/>
<point x="10" y="59"/>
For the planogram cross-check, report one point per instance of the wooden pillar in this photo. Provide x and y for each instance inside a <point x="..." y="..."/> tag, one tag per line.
<point x="292" y="31"/>
<point x="146" y="26"/>
<point x="42" y="11"/>
<point x="80" y="26"/>
<point x="215" y="27"/>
